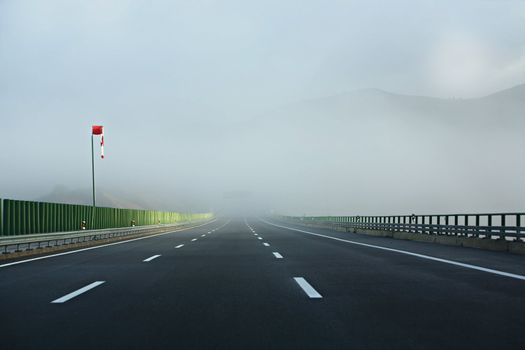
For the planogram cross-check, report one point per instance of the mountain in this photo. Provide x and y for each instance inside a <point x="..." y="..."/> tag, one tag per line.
<point x="515" y="94"/>
<point x="117" y="198"/>
<point x="373" y="150"/>
<point x="61" y="194"/>
<point x="501" y="107"/>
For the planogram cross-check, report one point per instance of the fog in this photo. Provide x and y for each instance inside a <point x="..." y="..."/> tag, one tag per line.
<point x="296" y="107"/>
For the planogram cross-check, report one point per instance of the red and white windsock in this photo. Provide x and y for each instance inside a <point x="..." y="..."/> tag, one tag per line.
<point x="99" y="130"/>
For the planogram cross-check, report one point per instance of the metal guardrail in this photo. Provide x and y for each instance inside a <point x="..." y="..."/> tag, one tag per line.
<point x="10" y="244"/>
<point x="491" y="225"/>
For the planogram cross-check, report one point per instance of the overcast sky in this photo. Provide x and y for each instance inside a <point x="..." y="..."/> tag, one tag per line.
<point x="167" y="67"/>
<point x="224" y="52"/>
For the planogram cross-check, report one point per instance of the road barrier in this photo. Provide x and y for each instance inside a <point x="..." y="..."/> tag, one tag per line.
<point x="26" y="217"/>
<point x="492" y="225"/>
<point x="35" y="243"/>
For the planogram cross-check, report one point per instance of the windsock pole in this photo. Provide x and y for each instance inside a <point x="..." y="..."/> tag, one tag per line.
<point x="93" y="180"/>
<point x="95" y="130"/>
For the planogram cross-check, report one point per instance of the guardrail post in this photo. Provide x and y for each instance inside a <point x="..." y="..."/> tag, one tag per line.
<point x="489" y="224"/>
<point x="502" y="236"/>
<point x="477" y="226"/>
<point x="2" y="218"/>
<point x="518" y="226"/>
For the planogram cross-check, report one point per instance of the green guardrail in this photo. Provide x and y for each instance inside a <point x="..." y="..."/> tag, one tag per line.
<point x="26" y="217"/>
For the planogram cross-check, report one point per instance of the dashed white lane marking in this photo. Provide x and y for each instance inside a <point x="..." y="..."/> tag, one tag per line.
<point x="422" y="256"/>
<point x="307" y="288"/>
<point x="193" y="240"/>
<point x="151" y="258"/>
<point x="250" y="228"/>
<point x="277" y="255"/>
<point x="266" y="244"/>
<point x="179" y="246"/>
<point x="77" y="292"/>
<point x="259" y="237"/>
<point x="218" y="228"/>
<point x="255" y="234"/>
<point x="101" y="246"/>
<point x="203" y="235"/>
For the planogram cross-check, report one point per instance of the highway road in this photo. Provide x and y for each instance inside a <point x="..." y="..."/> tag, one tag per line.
<point x="256" y="284"/>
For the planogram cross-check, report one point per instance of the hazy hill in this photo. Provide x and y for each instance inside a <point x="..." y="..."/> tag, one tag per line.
<point x="62" y="194"/>
<point x="505" y="106"/>
<point x="371" y="151"/>
<point x="116" y="198"/>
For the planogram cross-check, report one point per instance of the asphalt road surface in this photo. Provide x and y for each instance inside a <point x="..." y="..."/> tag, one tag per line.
<point x="248" y="284"/>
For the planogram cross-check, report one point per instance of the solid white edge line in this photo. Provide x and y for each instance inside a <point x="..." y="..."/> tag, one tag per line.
<point x="307" y="288"/>
<point x="77" y="292"/>
<point x="99" y="246"/>
<point x="151" y="258"/>
<point x="277" y="255"/>
<point x="266" y="244"/>
<point x="179" y="246"/>
<point x="422" y="256"/>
